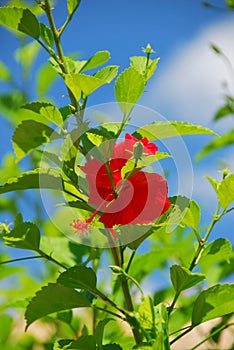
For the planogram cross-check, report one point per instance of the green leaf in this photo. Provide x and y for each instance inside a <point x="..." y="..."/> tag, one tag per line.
<point x="7" y="321"/>
<point x="143" y="162"/>
<point x="192" y="215"/>
<point x="99" y="331"/>
<point x="129" y="87"/>
<point x="230" y="3"/>
<point x="107" y="73"/>
<point x="161" y="321"/>
<point x="53" y="298"/>
<point x="72" y="5"/>
<point x="85" y="342"/>
<point x="80" y="277"/>
<point x="214" y="183"/>
<point x="140" y="62"/>
<point x="98" y="59"/>
<point x="35" y="179"/>
<point x="112" y="347"/>
<point x="20" y="19"/>
<point x="226" y="191"/>
<point x="221" y="142"/>
<point x="45" y="78"/>
<point x="65" y="316"/>
<point x="224" y="111"/>
<point x="160" y="130"/>
<point x="47" y="110"/>
<point x="30" y="135"/>
<point x="218" y="250"/>
<point x="183" y="279"/>
<point x="145" y="314"/>
<point x="25" y="236"/>
<point x="213" y="302"/>
<point x="46" y="35"/>
<point x="5" y="74"/>
<point x="80" y="205"/>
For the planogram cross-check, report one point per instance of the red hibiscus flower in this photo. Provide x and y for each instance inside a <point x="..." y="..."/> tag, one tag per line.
<point x="140" y="198"/>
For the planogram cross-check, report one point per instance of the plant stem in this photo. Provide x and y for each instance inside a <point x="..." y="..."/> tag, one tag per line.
<point x="130" y="260"/>
<point x="62" y="63"/>
<point x="48" y="257"/>
<point x="181" y="335"/>
<point x="21" y="259"/>
<point x="126" y="292"/>
<point x="109" y="312"/>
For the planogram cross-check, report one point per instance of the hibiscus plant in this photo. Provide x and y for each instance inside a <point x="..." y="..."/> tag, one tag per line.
<point x="107" y="221"/>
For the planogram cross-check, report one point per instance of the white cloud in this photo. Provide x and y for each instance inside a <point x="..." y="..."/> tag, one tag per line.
<point x="189" y="86"/>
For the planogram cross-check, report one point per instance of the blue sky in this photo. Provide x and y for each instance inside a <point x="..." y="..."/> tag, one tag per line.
<point x="188" y="82"/>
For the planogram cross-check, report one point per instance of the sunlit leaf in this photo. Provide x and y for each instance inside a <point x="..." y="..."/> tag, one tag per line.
<point x="161" y="328"/>
<point x="192" y="215"/>
<point x="98" y="59"/>
<point x="47" y="110"/>
<point x="20" y="19"/>
<point x="221" y="142"/>
<point x="53" y="298"/>
<point x="29" y="135"/>
<point x="140" y="64"/>
<point x="46" y="35"/>
<point x="226" y="191"/>
<point x="129" y="87"/>
<point x="213" y="302"/>
<point x="183" y="279"/>
<point x="99" y="331"/>
<point x="35" y="179"/>
<point x="45" y="78"/>
<point x="27" y="54"/>
<point x="214" y="183"/>
<point x="160" y="130"/>
<point x="4" y="72"/>
<point x="79" y="277"/>
<point x="107" y="73"/>
<point x="72" y="5"/>
<point x="25" y="236"/>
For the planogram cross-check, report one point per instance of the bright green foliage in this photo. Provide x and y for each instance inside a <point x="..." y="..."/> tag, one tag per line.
<point x="97" y="60"/>
<point x="161" y="322"/>
<point x="26" y="55"/>
<point x="25" y="235"/>
<point x="72" y="5"/>
<point x="35" y="179"/>
<point x="46" y="35"/>
<point x="161" y="130"/>
<point x="230" y="3"/>
<point x="221" y="248"/>
<point x="183" y="279"/>
<point x="223" y="141"/>
<point x="213" y="302"/>
<point x="192" y="215"/>
<point x="30" y="135"/>
<point x="226" y="191"/>
<point x="79" y="277"/>
<point x="20" y="19"/>
<point x="107" y="73"/>
<point x="214" y="183"/>
<point x="144" y="66"/>
<point x="129" y="87"/>
<point x="45" y="109"/>
<point x="53" y="298"/>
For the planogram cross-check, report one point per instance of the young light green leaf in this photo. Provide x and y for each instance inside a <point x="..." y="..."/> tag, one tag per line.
<point x="45" y="77"/>
<point x="183" y="279"/>
<point x="27" y="54"/>
<point x="29" y="135"/>
<point x="145" y="314"/>
<point x="4" y="72"/>
<point x="72" y="6"/>
<point x="129" y="87"/>
<point x="221" y="142"/>
<point x="107" y="73"/>
<point x="53" y="298"/>
<point x="218" y="250"/>
<point x="213" y="302"/>
<point x="226" y="191"/>
<point x="161" y="330"/>
<point x="20" y="19"/>
<point x="35" y="179"/>
<point x="82" y="82"/>
<point x="140" y="64"/>
<point x="80" y="277"/>
<point x="46" y="35"/>
<point x="98" y="59"/>
<point x="214" y="183"/>
<point x="160" y="130"/>
<point x="192" y="215"/>
<point x="47" y="110"/>
<point x="25" y="236"/>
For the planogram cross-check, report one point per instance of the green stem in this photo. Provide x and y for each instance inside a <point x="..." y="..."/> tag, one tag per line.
<point x="224" y="326"/>
<point x="49" y="257"/>
<point x="126" y="292"/>
<point x="109" y="312"/>
<point x="21" y="259"/>
<point x="181" y="335"/>
<point x="130" y="260"/>
<point x="62" y="63"/>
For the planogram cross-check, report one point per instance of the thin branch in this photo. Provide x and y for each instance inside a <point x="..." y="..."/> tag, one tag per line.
<point x="21" y="259"/>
